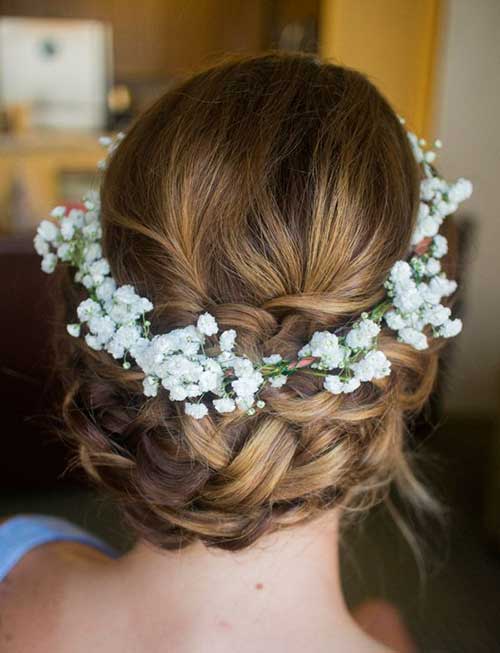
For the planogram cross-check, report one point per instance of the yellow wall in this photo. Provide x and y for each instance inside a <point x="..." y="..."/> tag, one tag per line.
<point x="394" y="42"/>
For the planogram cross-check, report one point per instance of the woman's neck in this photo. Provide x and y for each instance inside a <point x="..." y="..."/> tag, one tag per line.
<point x="286" y="585"/>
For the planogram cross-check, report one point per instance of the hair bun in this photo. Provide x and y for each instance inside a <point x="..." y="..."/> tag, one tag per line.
<point x="280" y="209"/>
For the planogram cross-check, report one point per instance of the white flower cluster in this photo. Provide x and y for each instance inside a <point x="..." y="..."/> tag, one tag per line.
<point x="177" y="362"/>
<point x="354" y="355"/>
<point x="113" y="317"/>
<point x="416" y="294"/>
<point x="110" y="144"/>
<point x="438" y="198"/>
<point x="417" y="287"/>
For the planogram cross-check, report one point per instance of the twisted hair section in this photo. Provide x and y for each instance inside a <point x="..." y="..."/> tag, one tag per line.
<point x="275" y="192"/>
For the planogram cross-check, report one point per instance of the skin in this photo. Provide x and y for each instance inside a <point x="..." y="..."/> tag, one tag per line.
<point x="284" y="594"/>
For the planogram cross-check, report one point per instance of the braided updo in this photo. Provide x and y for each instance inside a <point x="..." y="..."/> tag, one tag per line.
<point x="275" y="192"/>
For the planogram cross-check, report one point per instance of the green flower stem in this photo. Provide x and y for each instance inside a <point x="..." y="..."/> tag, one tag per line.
<point x="379" y="311"/>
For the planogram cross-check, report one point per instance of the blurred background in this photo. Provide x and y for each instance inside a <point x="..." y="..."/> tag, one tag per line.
<point x="72" y="70"/>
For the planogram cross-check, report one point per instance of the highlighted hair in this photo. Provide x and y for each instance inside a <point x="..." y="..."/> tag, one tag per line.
<point x="275" y="192"/>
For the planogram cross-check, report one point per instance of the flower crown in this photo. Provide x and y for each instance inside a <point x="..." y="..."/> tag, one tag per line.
<point x="113" y="317"/>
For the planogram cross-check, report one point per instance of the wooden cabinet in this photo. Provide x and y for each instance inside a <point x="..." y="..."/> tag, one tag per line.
<point x="39" y="170"/>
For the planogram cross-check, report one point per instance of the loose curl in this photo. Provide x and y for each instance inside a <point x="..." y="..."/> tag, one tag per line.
<point x="276" y="192"/>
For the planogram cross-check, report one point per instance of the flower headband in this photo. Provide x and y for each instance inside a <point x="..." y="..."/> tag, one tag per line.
<point x="113" y="317"/>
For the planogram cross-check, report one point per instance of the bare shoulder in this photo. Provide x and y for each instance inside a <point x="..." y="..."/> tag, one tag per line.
<point x="34" y="594"/>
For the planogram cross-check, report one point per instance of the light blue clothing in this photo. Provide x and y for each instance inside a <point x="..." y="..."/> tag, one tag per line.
<point x="22" y="533"/>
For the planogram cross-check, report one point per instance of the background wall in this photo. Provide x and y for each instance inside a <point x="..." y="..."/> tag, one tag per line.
<point x="467" y="119"/>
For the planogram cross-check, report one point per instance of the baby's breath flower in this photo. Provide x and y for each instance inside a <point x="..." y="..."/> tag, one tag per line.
<point x="278" y="381"/>
<point x="436" y="315"/>
<point x="207" y="325"/>
<point x="150" y="385"/>
<point x="88" y="309"/>
<point x="196" y="410"/>
<point x="272" y="360"/>
<point x="450" y="328"/>
<point x="413" y="337"/>
<point x="334" y="384"/>
<point x="67" y="228"/>
<point x="374" y="365"/>
<point x="58" y="212"/>
<point x="439" y="246"/>
<point x="325" y="346"/>
<point x="92" y="252"/>
<point x="64" y="252"/>
<point x="74" y="330"/>
<point x="93" y="342"/>
<point x="112" y="318"/>
<point x="432" y="267"/>
<point x="394" y="320"/>
<point x="362" y="334"/>
<point x="48" y="230"/>
<point x="227" y="339"/>
<point x="106" y="289"/>
<point x="460" y="190"/>
<point x="224" y="405"/>
<point x="49" y="262"/>
<point x="42" y="247"/>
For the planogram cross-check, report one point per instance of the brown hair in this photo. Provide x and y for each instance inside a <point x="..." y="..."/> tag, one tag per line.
<point x="275" y="192"/>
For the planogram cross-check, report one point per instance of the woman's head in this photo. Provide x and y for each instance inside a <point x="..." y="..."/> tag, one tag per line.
<point x="275" y="192"/>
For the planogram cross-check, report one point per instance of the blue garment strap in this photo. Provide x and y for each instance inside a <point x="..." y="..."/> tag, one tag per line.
<point x="22" y="533"/>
